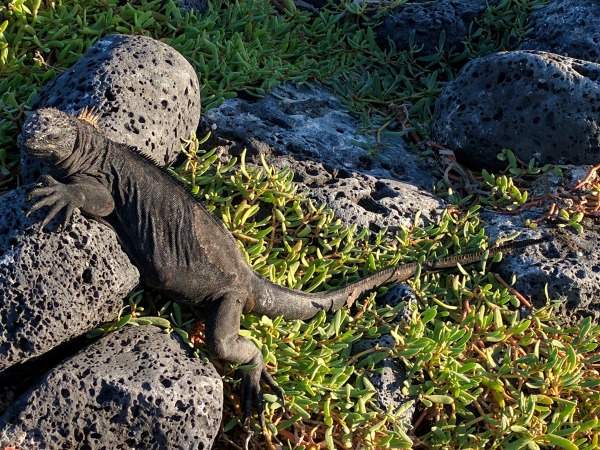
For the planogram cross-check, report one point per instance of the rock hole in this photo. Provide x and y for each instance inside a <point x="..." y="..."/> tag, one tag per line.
<point x="86" y="276"/>
<point x="382" y="190"/>
<point x="25" y="344"/>
<point x="365" y="163"/>
<point x="371" y="205"/>
<point x="109" y="95"/>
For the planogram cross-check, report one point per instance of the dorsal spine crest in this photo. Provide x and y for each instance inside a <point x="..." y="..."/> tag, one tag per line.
<point x="90" y="115"/>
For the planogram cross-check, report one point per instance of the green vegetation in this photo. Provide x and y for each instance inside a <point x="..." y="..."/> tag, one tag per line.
<point x="509" y="192"/>
<point x="482" y="372"/>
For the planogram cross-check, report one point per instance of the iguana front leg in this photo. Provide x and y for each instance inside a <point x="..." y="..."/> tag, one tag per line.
<point x="223" y="339"/>
<point x="84" y="193"/>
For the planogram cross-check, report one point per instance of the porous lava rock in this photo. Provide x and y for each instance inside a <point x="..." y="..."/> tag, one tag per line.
<point x="359" y="198"/>
<point x="426" y="21"/>
<point x="568" y="27"/>
<point x="566" y="268"/>
<point x="540" y="105"/>
<point x="390" y="376"/>
<point x="55" y="284"/>
<point x="305" y="129"/>
<point x="146" y="91"/>
<point x="311" y="5"/>
<point x="135" y="388"/>
<point x="198" y="6"/>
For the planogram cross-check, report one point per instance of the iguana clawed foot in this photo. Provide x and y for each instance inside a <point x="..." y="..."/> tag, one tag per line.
<point x="55" y="195"/>
<point x="251" y="392"/>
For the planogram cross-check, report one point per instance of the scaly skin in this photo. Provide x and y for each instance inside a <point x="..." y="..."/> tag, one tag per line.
<point x="178" y="246"/>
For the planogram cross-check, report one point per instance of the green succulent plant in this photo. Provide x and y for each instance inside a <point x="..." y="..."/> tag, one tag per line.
<point x="482" y="373"/>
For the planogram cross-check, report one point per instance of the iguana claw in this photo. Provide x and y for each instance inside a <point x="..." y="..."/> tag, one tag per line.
<point x="55" y="195"/>
<point x="251" y="393"/>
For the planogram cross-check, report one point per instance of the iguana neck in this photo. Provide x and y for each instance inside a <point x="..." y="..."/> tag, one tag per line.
<point x="87" y="155"/>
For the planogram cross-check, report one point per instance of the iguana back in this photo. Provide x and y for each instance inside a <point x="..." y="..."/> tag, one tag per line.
<point x="179" y="247"/>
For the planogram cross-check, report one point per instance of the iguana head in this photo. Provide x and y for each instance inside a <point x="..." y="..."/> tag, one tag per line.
<point x="49" y="133"/>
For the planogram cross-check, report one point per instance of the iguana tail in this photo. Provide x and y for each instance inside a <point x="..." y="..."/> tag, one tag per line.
<point x="274" y="300"/>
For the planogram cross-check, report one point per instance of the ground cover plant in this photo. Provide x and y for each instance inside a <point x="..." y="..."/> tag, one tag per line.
<point x="484" y="371"/>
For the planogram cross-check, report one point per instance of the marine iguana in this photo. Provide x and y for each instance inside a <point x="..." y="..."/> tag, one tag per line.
<point x="179" y="247"/>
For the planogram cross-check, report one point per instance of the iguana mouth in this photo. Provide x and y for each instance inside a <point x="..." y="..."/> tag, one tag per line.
<point x="32" y="147"/>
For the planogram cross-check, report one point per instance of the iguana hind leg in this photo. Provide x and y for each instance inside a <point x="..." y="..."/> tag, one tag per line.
<point x="224" y="340"/>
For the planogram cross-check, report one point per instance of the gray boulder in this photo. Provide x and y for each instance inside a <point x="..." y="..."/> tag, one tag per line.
<point x="146" y="91"/>
<point x="304" y="128"/>
<point x="568" y="27"/>
<point x="427" y="20"/>
<point x="55" y="285"/>
<point x="135" y="388"/>
<point x="567" y="267"/>
<point x="537" y="104"/>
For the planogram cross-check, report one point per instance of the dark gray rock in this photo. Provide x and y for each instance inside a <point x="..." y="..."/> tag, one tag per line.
<point x="312" y="6"/>
<point x="389" y="379"/>
<point x="198" y="6"/>
<point x="567" y="268"/>
<point x="55" y="285"/>
<point x="135" y="388"/>
<point x="146" y="91"/>
<point x="400" y="294"/>
<point x="537" y="104"/>
<point x="567" y="27"/>
<point x="305" y="129"/>
<point x="7" y="396"/>
<point x="569" y="264"/>
<point x="427" y="20"/>
<point x="360" y="198"/>
<point x="309" y="123"/>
